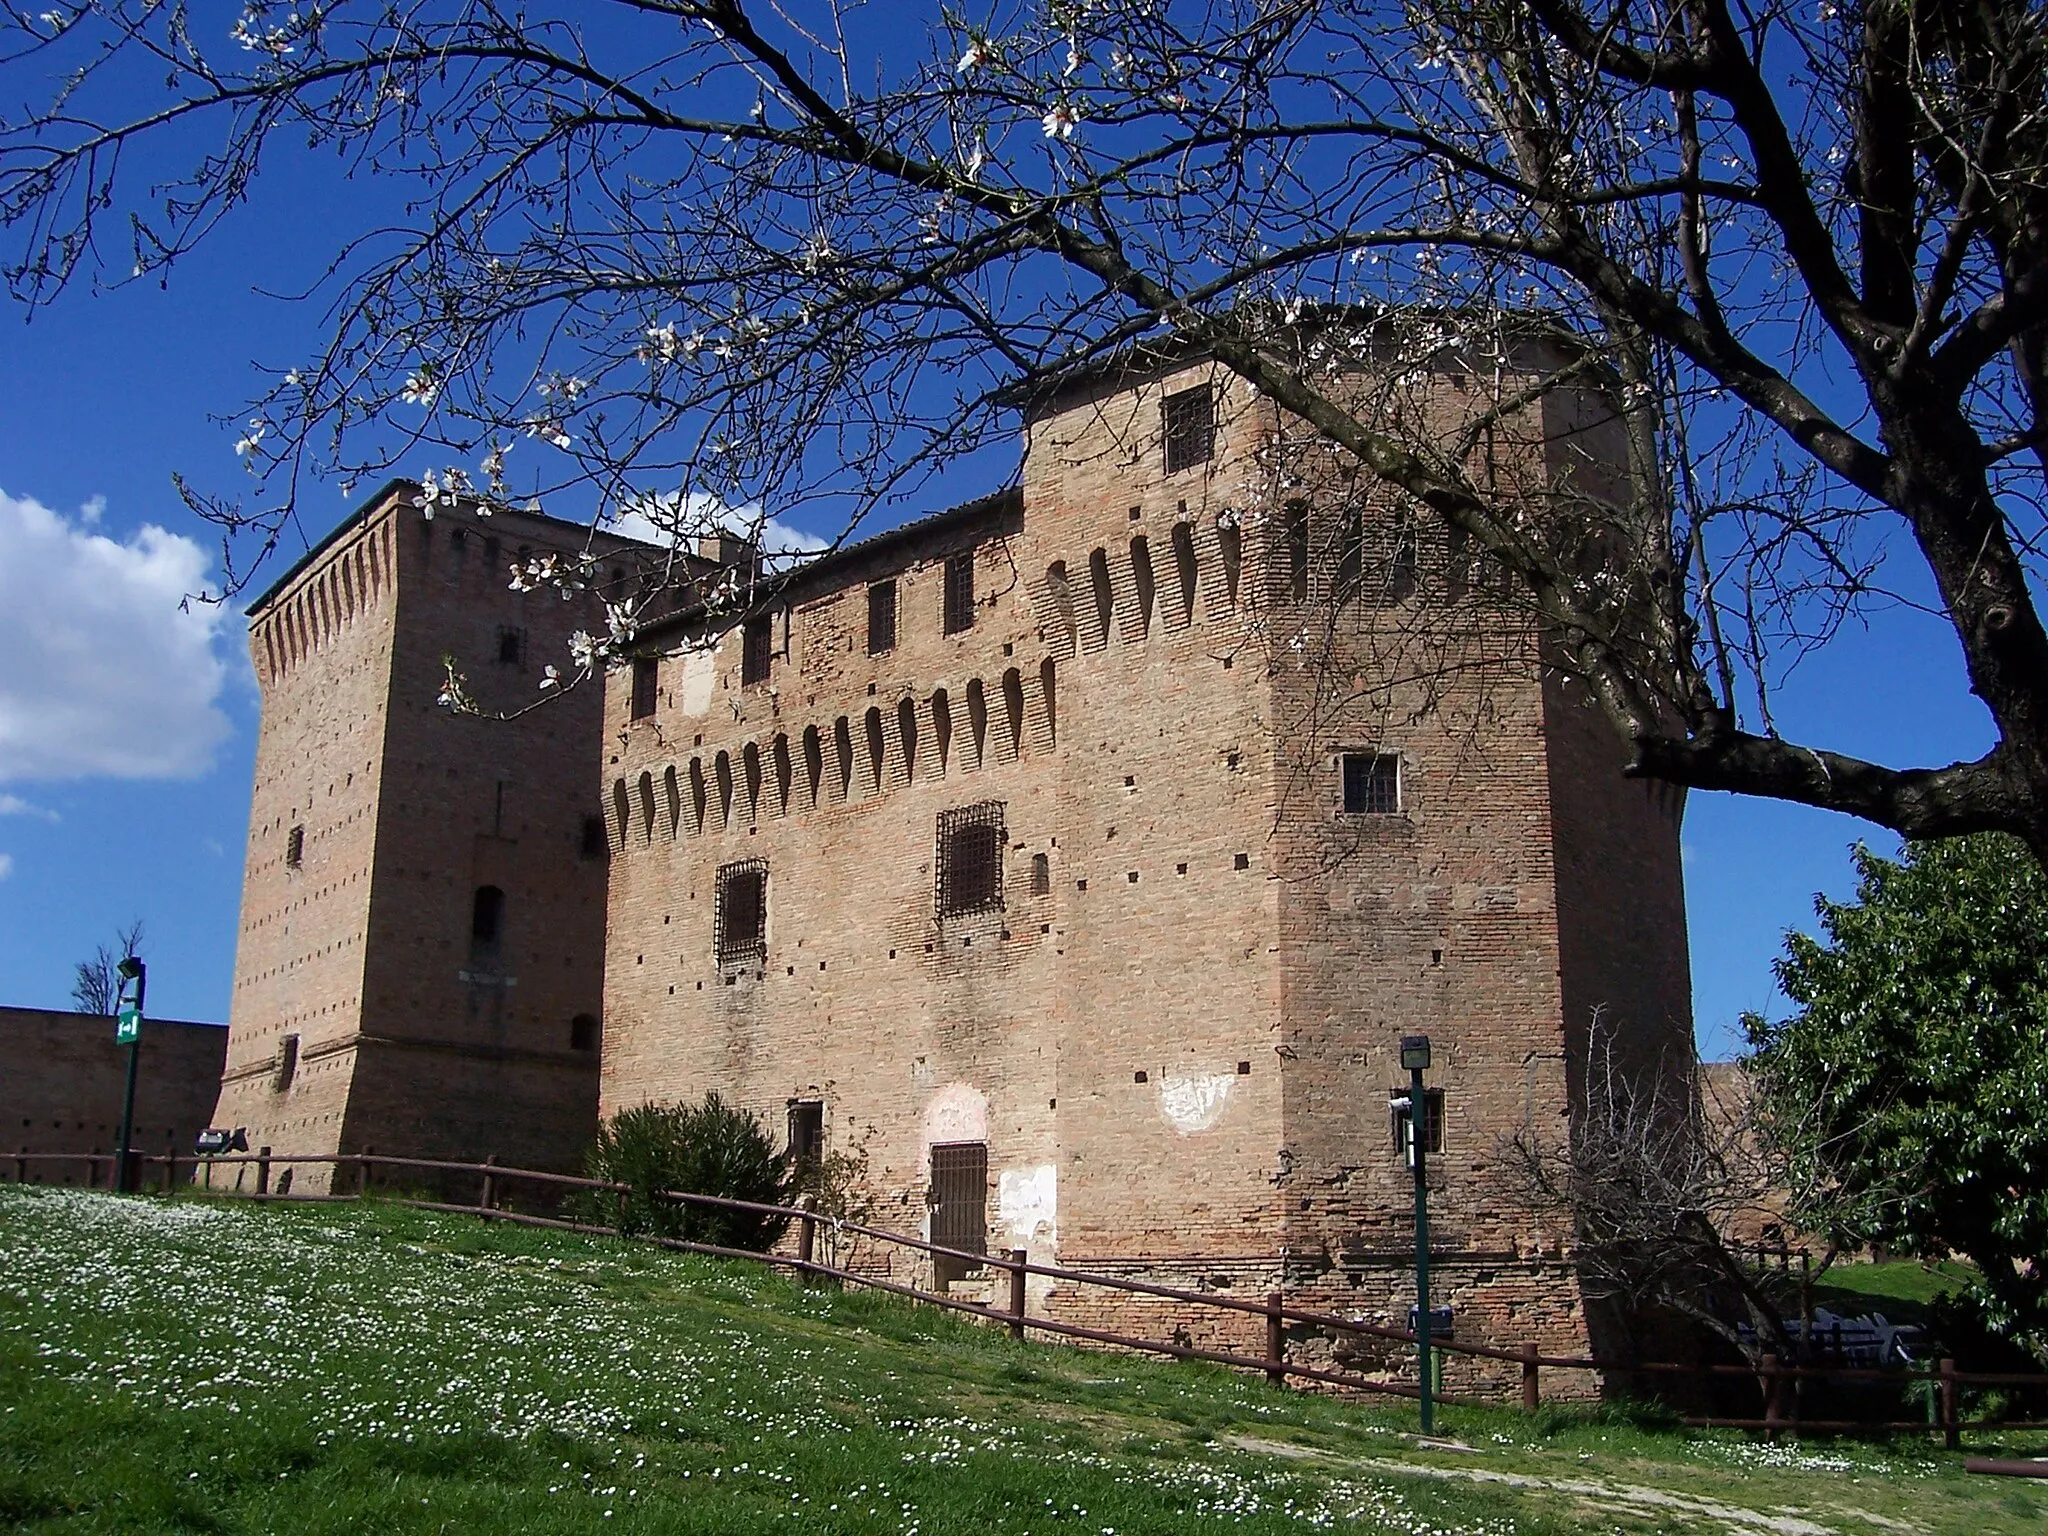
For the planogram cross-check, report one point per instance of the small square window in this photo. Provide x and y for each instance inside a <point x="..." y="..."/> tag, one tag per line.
<point x="511" y="646"/>
<point x="1372" y="784"/>
<point x="646" y="679"/>
<point x="757" y="650"/>
<point x="960" y="592"/>
<point x="970" y="859"/>
<point x="1433" y="1122"/>
<point x="1190" y="421"/>
<point x="295" y="848"/>
<point x="742" y="919"/>
<point x="881" y="617"/>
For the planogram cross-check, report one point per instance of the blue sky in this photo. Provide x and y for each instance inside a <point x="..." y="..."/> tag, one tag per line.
<point x="127" y="729"/>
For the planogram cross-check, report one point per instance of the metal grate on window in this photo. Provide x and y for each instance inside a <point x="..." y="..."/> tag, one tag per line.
<point x="1372" y="784"/>
<point x="742" y="920"/>
<point x="959" y="1198"/>
<point x="295" y="847"/>
<point x="970" y="859"/>
<point x="881" y="617"/>
<point x="757" y="650"/>
<point x="959" y="592"/>
<point x="1190" y="421"/>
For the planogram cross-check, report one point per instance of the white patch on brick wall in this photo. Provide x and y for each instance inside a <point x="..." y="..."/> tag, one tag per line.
<point x="957" y="1112"/>
<point x="698" y="683"/>
<point x="1191" y="1104"/>
<point x="1027" y="1204"/>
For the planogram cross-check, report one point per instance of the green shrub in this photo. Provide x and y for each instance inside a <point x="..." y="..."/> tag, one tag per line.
<point x="705" y="1149"/>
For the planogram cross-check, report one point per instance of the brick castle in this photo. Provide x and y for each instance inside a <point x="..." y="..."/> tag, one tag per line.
<point x="1076" y="857"/>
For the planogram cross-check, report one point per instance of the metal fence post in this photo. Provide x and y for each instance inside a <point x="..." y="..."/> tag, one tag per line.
<point x="1532" y="1387"/>
<point x="1951" y="1425"/>
<point x="1018" y="1256"/>
<point x="1276" y="1341"/>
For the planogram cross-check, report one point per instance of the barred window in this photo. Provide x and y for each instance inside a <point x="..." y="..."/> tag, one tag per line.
<point x="646" y="677"/>
<point x="881" y="617"/>
<point x="742" y="911"/>
<point x="1190" y="420"/>
<point x="970" y="859"/>
<point x="959" y="592"/>
<point x="757" y="650"/>
<point x="1372" y="784"/>
<point x="295" y="847"/>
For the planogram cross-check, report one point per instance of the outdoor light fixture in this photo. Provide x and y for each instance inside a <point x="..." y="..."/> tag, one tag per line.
<point x="1415" y="1061"/>
<point x="128" y="1032"/>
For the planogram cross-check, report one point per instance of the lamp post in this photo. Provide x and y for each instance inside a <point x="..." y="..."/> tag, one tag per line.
<point x="128" y="1031"/>
<point x="1415" y="1060"/>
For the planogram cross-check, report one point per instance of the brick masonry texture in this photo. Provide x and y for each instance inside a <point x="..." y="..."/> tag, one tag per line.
<point x="1176" y="1036"/>
<point x="62" y="1080"/>
<point x="377" y="816"/>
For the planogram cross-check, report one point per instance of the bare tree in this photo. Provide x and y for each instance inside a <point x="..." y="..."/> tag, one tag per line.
<point x="695" y="255"/>
<point x="1665" y="1192"/>
<point x="98" y="982"/>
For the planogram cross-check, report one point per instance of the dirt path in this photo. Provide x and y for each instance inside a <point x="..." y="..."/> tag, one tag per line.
<point x="1734" y="1518"/>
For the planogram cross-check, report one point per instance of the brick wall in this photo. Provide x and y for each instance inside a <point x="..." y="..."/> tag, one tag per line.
<point x="62" y="1081"/>
<point x="1179" y="1056"/>
<point x="415" y="1036"/>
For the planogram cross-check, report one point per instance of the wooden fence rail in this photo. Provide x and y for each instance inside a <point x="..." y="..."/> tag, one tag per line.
<point x="1778" y="1381"/>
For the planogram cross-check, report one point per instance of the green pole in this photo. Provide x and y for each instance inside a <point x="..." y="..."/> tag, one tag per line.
<point x="124" y="1176"/>
<point x="1418" y="1139"/>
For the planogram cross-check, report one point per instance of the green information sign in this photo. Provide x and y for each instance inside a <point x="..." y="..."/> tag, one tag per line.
<point x="128" y="1025"/>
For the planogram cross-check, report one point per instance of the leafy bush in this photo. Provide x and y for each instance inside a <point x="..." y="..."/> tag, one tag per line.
<point x="711" y="1148"/>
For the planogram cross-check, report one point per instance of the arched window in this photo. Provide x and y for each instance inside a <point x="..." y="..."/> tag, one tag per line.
<point x="646" y="807"/>
<point x="1013" y="710"/>
<point x="784" y="772"/>
<point x="874" y="735"/>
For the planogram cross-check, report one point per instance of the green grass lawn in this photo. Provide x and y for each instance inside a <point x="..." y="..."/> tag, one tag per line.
<point x="196" y="1366"/>
<point x="1902" y="1289"/>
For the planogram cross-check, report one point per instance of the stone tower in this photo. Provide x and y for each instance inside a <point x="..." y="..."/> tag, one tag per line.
<point x="419" y="967"/>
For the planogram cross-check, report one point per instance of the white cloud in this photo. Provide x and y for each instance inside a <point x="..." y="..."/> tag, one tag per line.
<point x="104" y="675"/>
<point x="14" y="805"/>
<point x="661" y="519"/>
<point x="6" y="869"/>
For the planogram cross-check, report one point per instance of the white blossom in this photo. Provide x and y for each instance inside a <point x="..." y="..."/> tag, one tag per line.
<point x="1060" y="122"/>
<point x="974" y="58"/>
<point x="584" y="650"/>
<point x="420" y="388"/>
<point x="550" y="677"/>
<point x="246" y="444"/>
